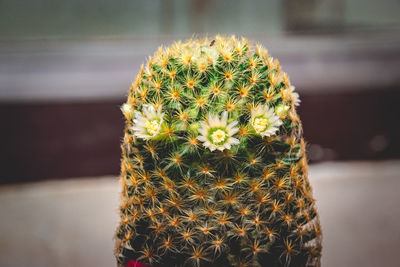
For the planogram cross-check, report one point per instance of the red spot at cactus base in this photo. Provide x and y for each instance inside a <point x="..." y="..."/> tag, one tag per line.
<point x="133" y="263"/>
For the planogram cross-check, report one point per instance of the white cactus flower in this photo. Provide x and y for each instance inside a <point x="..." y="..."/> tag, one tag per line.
<point x="264" y="121"/>
<point x="216" y="133"/>
<point x="148" y="124"/>
<point x="206" y="56"/>
<point x="282" y="110"/>
<point x="210" y="54"/>
<point x="127" y="111"/>
<point x="296" y="97"/>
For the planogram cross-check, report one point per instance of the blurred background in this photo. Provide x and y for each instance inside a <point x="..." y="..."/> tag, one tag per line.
<point x="65" y="69"/>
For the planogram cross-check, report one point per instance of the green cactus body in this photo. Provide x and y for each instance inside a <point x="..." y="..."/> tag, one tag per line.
<point x="214" y="170"/>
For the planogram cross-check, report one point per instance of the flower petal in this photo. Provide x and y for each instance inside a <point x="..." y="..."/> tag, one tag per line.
<point x="234" y="141"/>
<point x="233" y="131"/>
<point x="224" y="118"/>
<point x="202" y="138"/>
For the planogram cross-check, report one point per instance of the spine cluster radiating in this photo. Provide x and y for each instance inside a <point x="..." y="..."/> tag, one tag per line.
<point x="214" y="169"/>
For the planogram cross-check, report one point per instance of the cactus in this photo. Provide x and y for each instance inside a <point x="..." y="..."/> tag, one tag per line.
<point x="214" y="169"/>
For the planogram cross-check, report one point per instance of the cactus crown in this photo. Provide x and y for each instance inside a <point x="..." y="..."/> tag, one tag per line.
<point x="214" y="168"/>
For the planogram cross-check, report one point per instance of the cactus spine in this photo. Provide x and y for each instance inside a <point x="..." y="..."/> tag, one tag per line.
<point x="214" y="170"/>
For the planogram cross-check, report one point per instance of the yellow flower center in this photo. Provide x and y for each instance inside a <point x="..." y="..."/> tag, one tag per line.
<point x="152" y="126"/>
<point x="260" y="124"/>
<point x="218" y="136"/>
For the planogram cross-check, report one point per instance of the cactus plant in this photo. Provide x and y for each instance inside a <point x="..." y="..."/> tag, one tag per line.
<point x="214" y="169"/>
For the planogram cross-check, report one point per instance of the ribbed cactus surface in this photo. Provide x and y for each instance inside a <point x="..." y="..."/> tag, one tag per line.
<point x="214" y="170"/>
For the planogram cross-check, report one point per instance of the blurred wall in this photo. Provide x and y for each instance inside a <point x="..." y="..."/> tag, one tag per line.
<point x="25" y="19"/>
<point x="65" y="68"/>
